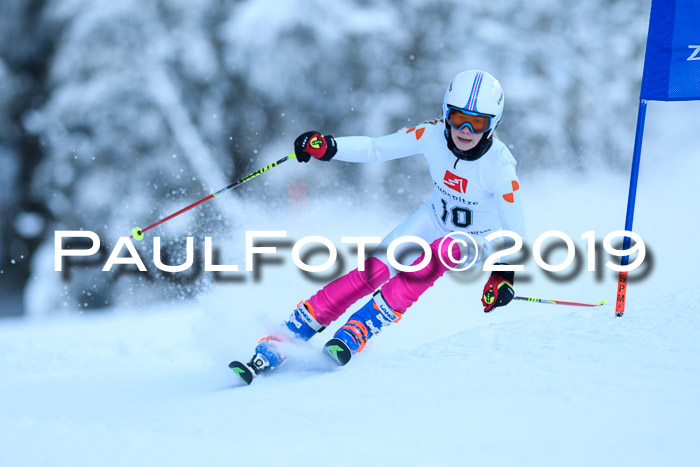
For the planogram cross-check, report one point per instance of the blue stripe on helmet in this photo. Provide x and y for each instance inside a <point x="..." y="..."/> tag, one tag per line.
<point x="471" y="104"/>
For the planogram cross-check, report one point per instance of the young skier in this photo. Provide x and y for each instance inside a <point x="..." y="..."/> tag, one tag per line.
<point x="476" y="192"/>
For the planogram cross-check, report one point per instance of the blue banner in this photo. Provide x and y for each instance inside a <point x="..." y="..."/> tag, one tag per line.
<point x="672" y="62"/>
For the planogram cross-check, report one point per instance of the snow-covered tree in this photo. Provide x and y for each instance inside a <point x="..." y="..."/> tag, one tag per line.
<point x="24" y="45"/>
<point x="130" y="130"/>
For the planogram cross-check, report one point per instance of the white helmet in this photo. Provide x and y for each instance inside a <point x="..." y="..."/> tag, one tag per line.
<point x="474" y="93"/>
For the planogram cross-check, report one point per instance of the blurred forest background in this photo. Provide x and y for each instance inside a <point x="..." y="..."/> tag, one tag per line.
<point x="119" y="112"/>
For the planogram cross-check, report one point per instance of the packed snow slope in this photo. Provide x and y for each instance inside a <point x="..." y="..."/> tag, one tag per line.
<point x="527" y="385"/>
<point x="552" y="387"/>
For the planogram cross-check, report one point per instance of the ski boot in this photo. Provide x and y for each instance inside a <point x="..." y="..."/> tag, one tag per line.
<point x="361" y="326"/>
<point x="301" y="325"/>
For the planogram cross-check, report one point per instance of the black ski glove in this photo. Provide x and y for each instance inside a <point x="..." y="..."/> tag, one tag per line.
<point x="313" y="143"/>
<point x="498" y="290"/>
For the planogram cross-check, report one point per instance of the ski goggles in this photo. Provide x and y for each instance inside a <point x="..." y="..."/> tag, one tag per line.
<point x="460" y="118"/>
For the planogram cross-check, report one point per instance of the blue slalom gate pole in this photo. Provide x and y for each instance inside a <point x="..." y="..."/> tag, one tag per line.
<point x="631" y="198"/>
<point x="671" y="70"/>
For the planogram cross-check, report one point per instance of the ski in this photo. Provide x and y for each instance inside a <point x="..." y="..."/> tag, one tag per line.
<point x="242" y="370"/>
<point x="335" y="349"/>
<point x="338" y="351"/>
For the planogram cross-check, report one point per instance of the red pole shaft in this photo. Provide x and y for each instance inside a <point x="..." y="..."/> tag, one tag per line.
<point x="558" y="302"/>
<point x="193" y="205"/>
<point x="137" y="233"/>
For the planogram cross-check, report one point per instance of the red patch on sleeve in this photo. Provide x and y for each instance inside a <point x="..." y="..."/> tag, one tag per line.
<point x="419" y="132"/>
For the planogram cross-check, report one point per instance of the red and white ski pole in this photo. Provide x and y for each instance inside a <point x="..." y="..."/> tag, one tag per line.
<point x="137" y="232"/>
<point x="558" y="302"/>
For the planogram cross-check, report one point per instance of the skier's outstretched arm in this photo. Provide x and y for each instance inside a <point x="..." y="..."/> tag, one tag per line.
<point x="403" y="143"/>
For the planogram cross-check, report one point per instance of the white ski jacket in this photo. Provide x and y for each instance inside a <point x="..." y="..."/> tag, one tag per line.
<point x="476" y="197"/>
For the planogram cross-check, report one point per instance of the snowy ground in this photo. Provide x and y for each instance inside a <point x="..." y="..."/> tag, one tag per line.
<point x="528" y="384"/>
<point x="552" y="387"/>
